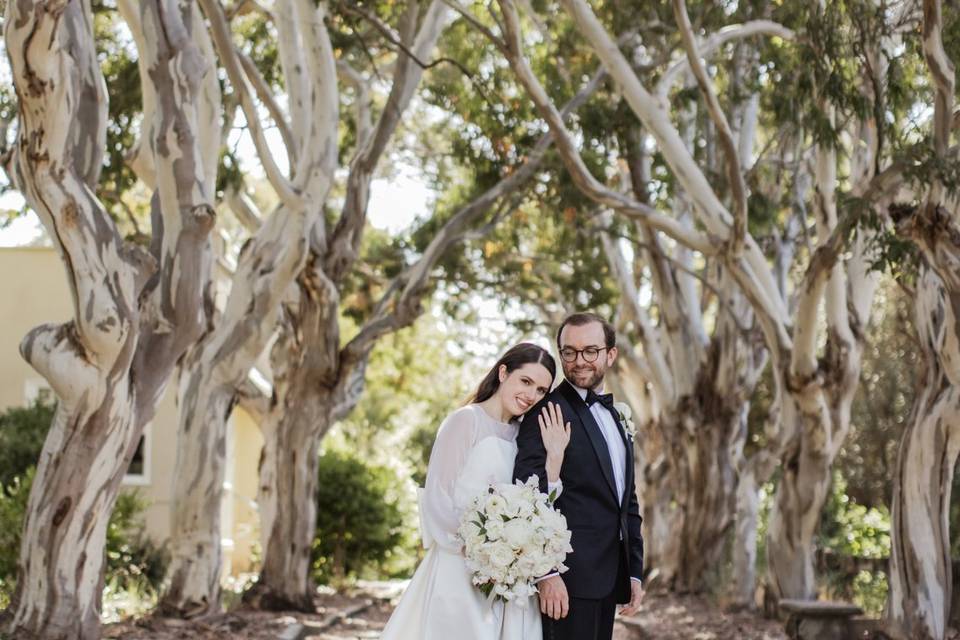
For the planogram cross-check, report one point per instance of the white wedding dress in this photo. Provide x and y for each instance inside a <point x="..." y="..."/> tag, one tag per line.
<point x="472" y="451"/>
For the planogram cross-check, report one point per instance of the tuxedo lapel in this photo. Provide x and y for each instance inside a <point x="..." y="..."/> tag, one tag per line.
<point x="593" y="433"/>
<point x="628" y="469"/>
<point x="621" y="428"/>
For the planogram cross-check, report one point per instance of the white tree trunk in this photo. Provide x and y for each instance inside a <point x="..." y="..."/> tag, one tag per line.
<point x="921" y="582"/>
<point x="817" y="396"/>
<point x="267" y="266"/>
<point x="122" y="296"/>
<point x="745" y="538"/>
<point x="288" y="483"/>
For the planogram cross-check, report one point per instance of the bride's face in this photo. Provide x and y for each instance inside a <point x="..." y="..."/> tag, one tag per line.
<point x="523" y="387"/>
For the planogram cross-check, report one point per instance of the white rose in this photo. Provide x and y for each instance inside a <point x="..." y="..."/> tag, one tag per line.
<point x="494" y="529"/>
<point x="526" y="509"/>
<point x="517" y="533"/>
<point x="501" y="555"/>
<point x="624" y="409"/>
<point x="495" y="505"/>
<point x="536" y="542"/>
<point x="512" y="493"/>
<point x="526" y="566"/>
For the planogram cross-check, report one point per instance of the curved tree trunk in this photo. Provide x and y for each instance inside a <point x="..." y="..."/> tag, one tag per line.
<point x="62" y="558"/>
<point x="817" y="391"/>
<point x="130" y="307"/>
<point x="287" y="495"/>
<point x="795" y="516"/>
<point x="920" y="570"/>
<point x="920" y="567"/>
<point x="816" y="414"/>
<point x="267" y="266"/>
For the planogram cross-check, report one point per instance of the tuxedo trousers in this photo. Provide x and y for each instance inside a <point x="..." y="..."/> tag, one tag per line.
<point x="587" y="619"/>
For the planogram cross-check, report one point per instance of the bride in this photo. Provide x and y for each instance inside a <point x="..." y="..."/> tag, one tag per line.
<point x="475" y="447"/>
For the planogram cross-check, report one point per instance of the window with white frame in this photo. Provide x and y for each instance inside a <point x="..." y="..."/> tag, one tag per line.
<point x="37" y="390"/>
<point x="138" y="473"/>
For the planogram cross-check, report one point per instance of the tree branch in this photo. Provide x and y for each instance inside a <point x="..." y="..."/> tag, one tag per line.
<point x="220" y="31"/>
<point x="571" y="156"/>
<point x="265" y="95"/>
<point x="752" y="273"/>
<point x="662" y="375"/>
<point x="737" y="185"/>
<point x="476" y="24"/>
<point x="361" y="102"/>
<point x="244" y="209"/>
<point x="717" y="40"/>
<point x="943" y="75"/>
<point x="345" y="239"/>
<point x="408" y="288"/>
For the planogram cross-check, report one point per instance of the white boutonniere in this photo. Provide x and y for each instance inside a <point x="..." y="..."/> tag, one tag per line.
<point x="626" y="415"/>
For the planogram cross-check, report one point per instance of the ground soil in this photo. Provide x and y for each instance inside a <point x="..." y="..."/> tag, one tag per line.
<point x="361" y="614"/>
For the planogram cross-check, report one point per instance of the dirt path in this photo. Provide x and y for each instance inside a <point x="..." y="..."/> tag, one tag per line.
<point x="361" y="615"/>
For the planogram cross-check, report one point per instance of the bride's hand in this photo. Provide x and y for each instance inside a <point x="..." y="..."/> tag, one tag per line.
<point x="553" y="430"/>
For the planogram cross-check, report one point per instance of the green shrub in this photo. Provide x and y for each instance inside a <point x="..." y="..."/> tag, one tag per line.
<point x="360" y="523"/>
<point x="22" y="432"/>
<point x="134" y="563"/>
<point x="133" y="560"/>
<point x="852" y="530"/>
<point x="13" y="505"/>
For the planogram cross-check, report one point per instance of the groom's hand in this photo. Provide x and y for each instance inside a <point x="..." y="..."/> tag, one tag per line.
<point x="554" y="601"/>
<point x="636" y="597"/>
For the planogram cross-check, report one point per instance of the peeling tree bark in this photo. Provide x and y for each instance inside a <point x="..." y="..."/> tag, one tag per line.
<point x="129" y="305"/>
<point x="321" y="381"/>
<point x="805" y="400"/>
<point x="921" y="584"/>
<point x="271" y="261"/>
<point x="921" y="581"/>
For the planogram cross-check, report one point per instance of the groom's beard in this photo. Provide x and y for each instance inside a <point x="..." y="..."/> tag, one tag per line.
<point x="585" y="378"/>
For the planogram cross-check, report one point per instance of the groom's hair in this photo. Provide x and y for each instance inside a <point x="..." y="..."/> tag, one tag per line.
<point x="584" y="317"/>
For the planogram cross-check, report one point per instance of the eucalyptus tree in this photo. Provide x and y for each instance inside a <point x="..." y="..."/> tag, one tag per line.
<point x="269" y="262"/>
<point x="814" y="382"/>
<point x="921" y="584"/>
<point x="561" y="259"/>
<point x="319" y="375"/>
<point x="135" y="310"/>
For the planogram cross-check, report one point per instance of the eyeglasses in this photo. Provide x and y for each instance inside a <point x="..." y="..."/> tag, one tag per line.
<point x="590" y="354"/>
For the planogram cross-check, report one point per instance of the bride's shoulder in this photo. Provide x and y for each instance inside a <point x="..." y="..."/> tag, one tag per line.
<point x="465" y="416"/>
<point x="467" y="413"/>
<point x="459" y="426"/>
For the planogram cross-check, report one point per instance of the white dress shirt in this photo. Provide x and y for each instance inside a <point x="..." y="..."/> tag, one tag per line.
<point x="615" y="445"/>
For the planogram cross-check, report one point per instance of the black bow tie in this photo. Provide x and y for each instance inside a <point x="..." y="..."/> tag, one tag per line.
<point x="606" y="399"/>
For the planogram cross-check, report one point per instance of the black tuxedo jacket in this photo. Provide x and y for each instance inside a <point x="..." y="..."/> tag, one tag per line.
<point x="606" y="539"/>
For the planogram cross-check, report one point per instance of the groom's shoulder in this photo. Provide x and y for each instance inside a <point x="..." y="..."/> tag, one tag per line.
<point x="554" y="396"/>
<point x="558" y="394"/>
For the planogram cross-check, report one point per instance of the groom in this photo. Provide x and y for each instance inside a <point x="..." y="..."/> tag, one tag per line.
<point x="598" y="496"/>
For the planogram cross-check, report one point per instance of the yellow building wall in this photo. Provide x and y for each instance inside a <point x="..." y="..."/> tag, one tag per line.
<point x="33" y="292"/>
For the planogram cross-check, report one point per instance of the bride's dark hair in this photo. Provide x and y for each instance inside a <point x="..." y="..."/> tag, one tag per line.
<point x="515" y="357"/>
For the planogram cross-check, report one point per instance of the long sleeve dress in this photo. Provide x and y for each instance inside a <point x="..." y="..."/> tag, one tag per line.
<point x="472" y="451"/>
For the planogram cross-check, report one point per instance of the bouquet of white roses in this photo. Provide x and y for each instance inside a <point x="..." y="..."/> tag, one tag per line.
<point x="511" y="535"/>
